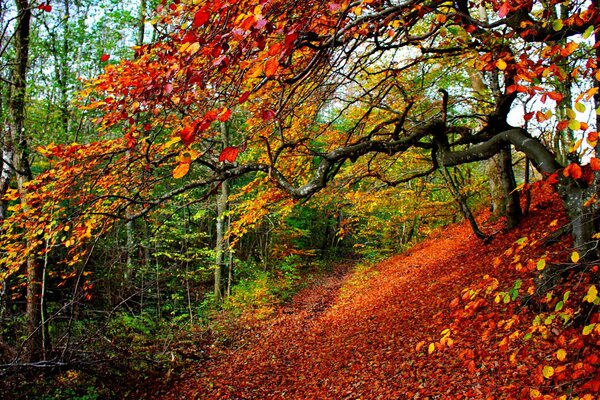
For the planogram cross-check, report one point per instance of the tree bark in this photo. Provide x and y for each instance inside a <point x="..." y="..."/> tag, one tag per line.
<point x="37" y="345"/>
<point x="513" y="205"/>
<point x="221" y="228"/>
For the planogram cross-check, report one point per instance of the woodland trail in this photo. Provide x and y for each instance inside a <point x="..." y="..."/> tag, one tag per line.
<point x="365" y="335"/>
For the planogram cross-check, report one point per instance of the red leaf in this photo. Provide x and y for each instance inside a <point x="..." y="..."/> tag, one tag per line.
<point x="187" y="135"/>
<point x="552" y="179"/>
<point x="225" y="114"/>
<point x="244" y="97"/>
<point x="562" y="125"/>
<point x="105" y="57"/>
<point x="229" y="154"/>
<point x="595" y="163"/>
<point x="504" y="10"/>
<point x="200" y="18"/>
<point x="268" y="115"/>
<point x="290" y="39"/>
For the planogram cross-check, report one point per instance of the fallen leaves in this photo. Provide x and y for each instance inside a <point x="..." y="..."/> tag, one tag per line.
<point x="415" y="333"/>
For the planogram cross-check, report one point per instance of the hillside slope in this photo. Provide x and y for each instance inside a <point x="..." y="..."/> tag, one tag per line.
<point x="423" y="324"/>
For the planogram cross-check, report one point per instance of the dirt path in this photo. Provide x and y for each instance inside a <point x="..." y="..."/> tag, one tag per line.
<point x="355" y="336"/>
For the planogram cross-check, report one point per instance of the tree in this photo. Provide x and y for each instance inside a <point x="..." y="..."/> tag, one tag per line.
<point x="294" y="71"/>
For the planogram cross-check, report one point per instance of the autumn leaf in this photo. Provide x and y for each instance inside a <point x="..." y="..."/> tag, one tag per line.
<point x="105" y="57"/>
<point x="271" y="67"/>
<point x="244" y="97"/>
<point x="575" y="257"/>
<point x="181" y="170"/>
<point x="224" y="115"/>
<point x="229" y="154"/>
<point x="504" y="9"/>
<point x="547" y="371"/>
<point x="431" y="348"/>
<point x="501" y="64"/>
<point x="561" y="354"/>
<point x="592" y="294"/>
<point x="268" y="115"/>
<point x="187" y="135"/>
<point x="420" y="345"/>
<point x="200" y="18"/>
<point x="573" y="170"/>
<point x="557" y="97"/>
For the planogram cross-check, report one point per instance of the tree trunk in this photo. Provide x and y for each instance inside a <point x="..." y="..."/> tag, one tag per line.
<point x="37" y="344"/>
<point x="513" y="206"/>
<point x="221" y="228"/>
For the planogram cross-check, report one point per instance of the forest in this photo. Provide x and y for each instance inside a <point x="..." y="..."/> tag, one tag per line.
<point x="319" y="199"/>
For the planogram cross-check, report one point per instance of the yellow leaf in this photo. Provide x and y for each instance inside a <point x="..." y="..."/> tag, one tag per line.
<point x="547" y="371"/>
<point x="172" y="141"/>
<point x="575" y="145"/>
<point x="575" y="257"/>
<point x="561" y="354"/>
<point x="541" y="264"/>
<point x="431" y="348"/>
<point x="184" y="47"/>
<point x="501" y="64"/>
<point x="534" y="393"/>
<point x="592" y="294"/>
<point x="193" y="48"/>
<point x="580" y="107"/>
<point x="574" y="125"/>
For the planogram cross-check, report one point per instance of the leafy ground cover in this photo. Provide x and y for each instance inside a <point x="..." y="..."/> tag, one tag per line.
<point x="451" y="318"/>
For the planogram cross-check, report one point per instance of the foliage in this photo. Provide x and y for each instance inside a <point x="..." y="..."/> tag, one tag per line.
<point x="425" y="323"/>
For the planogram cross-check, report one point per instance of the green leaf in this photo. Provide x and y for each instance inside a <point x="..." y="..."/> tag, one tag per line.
<point x="588" y="32"/>
<point x="557" y="24"/>
<point x="580" y="107"/>
<point x="559" y="306"/>
<point x="588" y="329"/>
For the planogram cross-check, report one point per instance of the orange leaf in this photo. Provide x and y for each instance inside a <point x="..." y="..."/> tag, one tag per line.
<point x="271" y="67"/>
<point x="229" y="154"/>
<point x="471" y="367"/>
<point x="181" y="170"/>
<point x="595" y="163"/>
<point x="557" y="97"/>
<point x="573" y="170"/>
<point x="420" y="345"/>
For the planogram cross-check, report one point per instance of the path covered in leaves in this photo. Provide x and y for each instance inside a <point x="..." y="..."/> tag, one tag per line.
<point x="407" y="328"/>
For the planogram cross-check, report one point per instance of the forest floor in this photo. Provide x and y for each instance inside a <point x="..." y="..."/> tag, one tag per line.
<point x="432" y="323"/>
